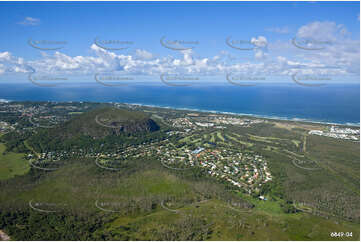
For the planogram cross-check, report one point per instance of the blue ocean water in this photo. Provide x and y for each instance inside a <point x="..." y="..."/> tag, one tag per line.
<point x="336" y="103"/>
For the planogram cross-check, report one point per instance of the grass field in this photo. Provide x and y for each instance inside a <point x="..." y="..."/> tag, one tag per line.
<point x="216" y="137"/>
<point x="236" y="139"/>
<point x="12" y="164"/>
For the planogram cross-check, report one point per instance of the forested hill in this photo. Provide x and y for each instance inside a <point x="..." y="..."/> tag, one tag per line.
<point x="102" y="122"/>
<point x="102" y="125"/>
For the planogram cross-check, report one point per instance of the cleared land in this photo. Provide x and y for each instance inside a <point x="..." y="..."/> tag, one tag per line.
<point x="12" y="164"/>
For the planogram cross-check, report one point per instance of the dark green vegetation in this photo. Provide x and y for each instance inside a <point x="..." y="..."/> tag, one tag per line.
<point x="323" y="176"/>
<point x="317" y="174"/>
<point x="98" y="130"/>
<point x="194" y="207"/>
<point x="144" y="200"/>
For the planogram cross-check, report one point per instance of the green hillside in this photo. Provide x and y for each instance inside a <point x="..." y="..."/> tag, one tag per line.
<point x="91" y="129"/>
<point x="117" y="174"/>
<point x="106" y="121"/>
<point x="145" y="202"/>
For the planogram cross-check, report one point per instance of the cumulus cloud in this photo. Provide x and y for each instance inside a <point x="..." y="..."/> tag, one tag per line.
<point x="143" y="54"/>
<point x="340" y="58"/>
<point x="30" y="21"/>
<point x="326" y="31"/>
<point x="339" y="50"/>
<point x="11" y="64"/>
<point x="260" y="42"/>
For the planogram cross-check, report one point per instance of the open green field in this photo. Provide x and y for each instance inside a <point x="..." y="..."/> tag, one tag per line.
<point x="222" y="138"/>
<point x="12" y="164"/>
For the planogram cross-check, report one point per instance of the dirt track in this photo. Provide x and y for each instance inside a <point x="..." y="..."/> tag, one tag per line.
<point x="3" y="236"/>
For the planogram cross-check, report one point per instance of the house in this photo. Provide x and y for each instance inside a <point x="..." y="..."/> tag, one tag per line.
<point x="197" y="151"/>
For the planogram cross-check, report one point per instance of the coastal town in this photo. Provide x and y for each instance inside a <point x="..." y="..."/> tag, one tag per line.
<point x="338" y="133"/>
<point x="212" y="121"/>
<point x="246" y="171"/>
<point x="196" y="140"/>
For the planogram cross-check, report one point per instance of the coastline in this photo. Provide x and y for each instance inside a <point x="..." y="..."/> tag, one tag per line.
<point x="269" y="117"/>
<point x="276" y="118"/>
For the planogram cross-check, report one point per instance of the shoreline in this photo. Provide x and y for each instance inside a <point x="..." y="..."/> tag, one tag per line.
<point x="276" y="118"/>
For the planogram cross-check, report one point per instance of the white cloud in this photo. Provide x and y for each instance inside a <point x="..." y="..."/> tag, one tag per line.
<point x="30" y="21"/>
<point x="260" y="42"/>
<point x="325" y="31"/>
<point x="143" y="54"/>
<point x="11" y="64"/>
<point x="342" y="52"/>
<point x="342" y="57"/>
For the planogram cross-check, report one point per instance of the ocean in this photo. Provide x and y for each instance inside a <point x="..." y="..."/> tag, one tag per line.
<point x="334" y="103"/>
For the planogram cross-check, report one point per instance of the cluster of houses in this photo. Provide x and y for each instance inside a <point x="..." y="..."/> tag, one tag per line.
<point x="39" y="115"/>
<point x="205" y="124"/>
<point x="236" y="121"/>
<point x="246" y="171"/>
<point x="243" y="170"/>
<point x="6" y="127"/>
<point x="339" y="133"/>
<point x="211" y="121"/>
<point x="181" y="123"/>
<point x="240" y="169"/>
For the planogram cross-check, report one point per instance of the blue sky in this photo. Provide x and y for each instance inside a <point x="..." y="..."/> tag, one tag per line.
<point x="269" y="26"/>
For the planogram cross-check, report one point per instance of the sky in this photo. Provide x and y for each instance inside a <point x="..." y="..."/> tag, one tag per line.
<point x="199" y="40"/>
